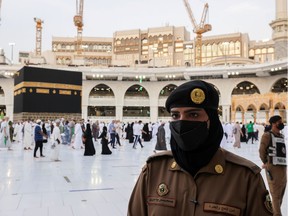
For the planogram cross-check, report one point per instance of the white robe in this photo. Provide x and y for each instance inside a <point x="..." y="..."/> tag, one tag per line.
<point x="78" y="143"/>
<point x="28" y="135"/>
<point x="55" y="151"/>
<point x="16" y="133"/>
<point x="5" y="128"/>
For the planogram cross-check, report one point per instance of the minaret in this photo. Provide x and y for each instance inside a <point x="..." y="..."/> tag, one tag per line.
<point x="280" y="30"/>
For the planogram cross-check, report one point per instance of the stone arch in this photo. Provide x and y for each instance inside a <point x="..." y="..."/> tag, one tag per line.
<point x="136" y="102"/>
<point x="166" y="90"/>
<point x="245" y="87"/>
<point x="251" y="113"/>
<point x="101" y="90"/>
<point x="136" y="90"/>
<point x="280" y="86"/>
<point x="239" y="108"/>
<point x="100" y="103"/>
<point x="279" y="106"/>
<point x="187" y="64"/>
<point x="239" y="113"/>
<point x="263" y="113"/>
<point x="280" y="109"/>
<point x="164" y="93"/>
<point x="264" y="106"/>
<point x="251" y="107"/>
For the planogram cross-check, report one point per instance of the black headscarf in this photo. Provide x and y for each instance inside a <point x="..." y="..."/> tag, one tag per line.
<point x="192" y="161"/>
<point x="88" y="133"/>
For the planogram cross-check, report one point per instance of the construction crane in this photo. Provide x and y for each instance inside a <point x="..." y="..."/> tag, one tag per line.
<point x="199" y="29"/>
<point x="78" y="22"/>
<point x="38" y="35"/>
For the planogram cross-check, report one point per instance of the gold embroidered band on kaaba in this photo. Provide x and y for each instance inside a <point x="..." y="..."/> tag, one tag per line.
<point x="44" y="88"/>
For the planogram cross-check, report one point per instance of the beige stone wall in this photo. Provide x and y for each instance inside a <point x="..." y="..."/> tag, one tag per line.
<point x="269" y="102"/>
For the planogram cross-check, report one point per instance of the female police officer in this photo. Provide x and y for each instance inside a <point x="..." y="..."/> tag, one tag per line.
<point x="197" y="177"/>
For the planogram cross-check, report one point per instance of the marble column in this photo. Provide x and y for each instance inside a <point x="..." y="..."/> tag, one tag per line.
<point x="153" y="113"/>
<point x="119" y="112"/>
<point x="226" y="113"/>
<point x="85" y="112"/>
<point x="9" y="111"/>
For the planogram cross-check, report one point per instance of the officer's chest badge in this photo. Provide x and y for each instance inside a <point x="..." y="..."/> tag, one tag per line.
<point x="162" y="189"/>
<point x="197" y="95"/>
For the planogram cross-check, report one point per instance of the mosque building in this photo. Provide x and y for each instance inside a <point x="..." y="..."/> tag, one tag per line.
<point x="130" y="75"/>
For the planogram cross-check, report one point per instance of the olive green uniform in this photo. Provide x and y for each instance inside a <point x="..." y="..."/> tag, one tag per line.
<point x="228" y="185"/>
<point x="278" y="172"/>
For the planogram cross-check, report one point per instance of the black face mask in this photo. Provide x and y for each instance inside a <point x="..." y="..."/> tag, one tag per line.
<point x="189" y="135"/>
<point x="280" y="126"/>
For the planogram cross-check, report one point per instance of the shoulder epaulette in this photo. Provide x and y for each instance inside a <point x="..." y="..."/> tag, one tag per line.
<point x="241" y="161"/>
<point x="167" y="154"/>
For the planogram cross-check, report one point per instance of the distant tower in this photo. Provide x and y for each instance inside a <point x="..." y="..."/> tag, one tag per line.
<point x="38" y="35"/>
<point x="280" y="29"/>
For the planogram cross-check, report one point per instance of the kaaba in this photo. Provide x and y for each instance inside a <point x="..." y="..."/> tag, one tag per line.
<point x="47" y="94"/>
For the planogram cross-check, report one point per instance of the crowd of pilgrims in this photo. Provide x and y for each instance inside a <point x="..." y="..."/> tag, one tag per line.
<point x="84" y="135"/>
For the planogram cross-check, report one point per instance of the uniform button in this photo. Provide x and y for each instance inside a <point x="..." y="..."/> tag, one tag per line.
<point x="218" y="168"/>
<point x="173" y="165"/>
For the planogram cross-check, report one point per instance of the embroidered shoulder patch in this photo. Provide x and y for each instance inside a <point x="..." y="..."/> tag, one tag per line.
<point x="162" y="189"/>
<point x="220" y="208"/>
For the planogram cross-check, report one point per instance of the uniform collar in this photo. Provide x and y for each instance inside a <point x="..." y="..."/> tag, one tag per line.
<point x="216" y="165"/>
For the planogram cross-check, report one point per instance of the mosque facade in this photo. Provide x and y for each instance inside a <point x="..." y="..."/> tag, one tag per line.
<point x="130" y="75"/>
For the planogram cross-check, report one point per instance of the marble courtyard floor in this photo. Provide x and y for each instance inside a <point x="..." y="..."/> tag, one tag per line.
<point x="92" y="185"/>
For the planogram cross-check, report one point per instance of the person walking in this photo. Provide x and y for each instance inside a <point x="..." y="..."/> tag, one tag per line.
<point x="129" y="132"/>
<point x="237" y="133"/>
<point x="197" y="177"/>
<point x="95" y="130"/>
<point x="28" y="135"/>
<point x="243" y="134"/>
<point x="112" y="132"/>
<point x="88" y="142"/>
<point x="272" y="152"/>
<point x="38" y="137"/>
<point x="56" y="141"/>
<point x="145" y="133"/>
<point x="137" y="131"/>
<point x="5" y="133"/>
<point x="250" y="132"/>
<point x="104" y="141"/>
<point x="78" y="142"/>
<point x="161" y="138"/>
<point x="66" y="135"/>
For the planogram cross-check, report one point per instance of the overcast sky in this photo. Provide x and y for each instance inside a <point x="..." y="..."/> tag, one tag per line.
<point x="103" y="18"/>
